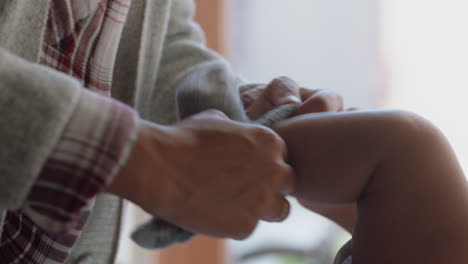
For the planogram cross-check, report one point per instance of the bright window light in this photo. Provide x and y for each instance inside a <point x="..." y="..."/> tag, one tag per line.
<point x="425" y="48"/>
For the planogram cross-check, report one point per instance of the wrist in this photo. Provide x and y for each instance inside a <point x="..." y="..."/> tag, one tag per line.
<point x="142" y="175"/>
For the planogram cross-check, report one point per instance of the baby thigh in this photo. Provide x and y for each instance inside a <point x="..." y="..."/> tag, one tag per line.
<point x="410" y="190"/>
<point x="415" y="206"/>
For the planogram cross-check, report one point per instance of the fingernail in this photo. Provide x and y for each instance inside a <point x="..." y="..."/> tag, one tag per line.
<point x="291" y="99"/>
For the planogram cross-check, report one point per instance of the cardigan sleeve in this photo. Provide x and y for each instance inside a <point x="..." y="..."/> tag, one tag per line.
<point x="195" y="75"/>
<point x="93" y="147"/>
<point x="35" y="104"/>
<point x="60" y="143"/>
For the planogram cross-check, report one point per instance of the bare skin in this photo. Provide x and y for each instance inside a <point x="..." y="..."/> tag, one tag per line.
<point x="167" y="173"/>
<point x="197" y="175"/>
<point x="179" y="173"/>
<point x="284" y="90"/>
<point x="396" y="167"/>
<point x="388" y="177"/>
<point x="410" y="191"/>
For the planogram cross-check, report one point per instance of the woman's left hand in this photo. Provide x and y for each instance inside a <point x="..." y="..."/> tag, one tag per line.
<point x="284" y="90"/>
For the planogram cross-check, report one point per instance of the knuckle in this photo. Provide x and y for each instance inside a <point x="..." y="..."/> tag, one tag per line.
<point x="277" y="81"/>
<point x="282" y="81"/>
<point x="264" y="134"/>
<point x="268" y="142"/>
<point x="321" y="104"/>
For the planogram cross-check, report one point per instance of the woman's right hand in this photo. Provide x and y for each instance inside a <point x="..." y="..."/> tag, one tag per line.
<point x="208" y="174"/>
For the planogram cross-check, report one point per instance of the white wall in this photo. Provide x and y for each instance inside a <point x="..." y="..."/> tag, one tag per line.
<point x="426" y="49"/>
<point x="321" y="43"/>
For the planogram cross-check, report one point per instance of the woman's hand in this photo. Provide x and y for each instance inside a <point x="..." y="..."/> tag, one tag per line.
<point x="284" y="90"/>
<point x="209" y="175"/>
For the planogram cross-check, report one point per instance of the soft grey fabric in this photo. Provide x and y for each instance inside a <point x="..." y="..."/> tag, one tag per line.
<point x="161" y="47"/>
<point x="99" y="243"/>
<point x="35" y="105"/>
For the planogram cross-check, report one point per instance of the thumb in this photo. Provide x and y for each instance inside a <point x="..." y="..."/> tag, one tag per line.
<point x="283" y="90"/>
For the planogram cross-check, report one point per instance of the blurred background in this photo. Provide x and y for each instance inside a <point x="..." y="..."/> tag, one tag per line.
<point x="401" y="54"/>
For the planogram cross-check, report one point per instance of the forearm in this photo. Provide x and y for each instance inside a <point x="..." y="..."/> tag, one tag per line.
<point x="91" y="150"/>
<point x="400" y="170"/>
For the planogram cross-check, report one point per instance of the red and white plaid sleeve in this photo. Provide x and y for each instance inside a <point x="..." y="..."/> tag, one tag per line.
<point x="81" y="40"/>
<point x="95" y="144"/>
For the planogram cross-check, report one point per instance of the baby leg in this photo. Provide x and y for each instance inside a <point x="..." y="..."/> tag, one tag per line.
<point x="411" y="193"/>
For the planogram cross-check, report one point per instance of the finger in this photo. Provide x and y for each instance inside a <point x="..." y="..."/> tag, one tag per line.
<point x="331" y="101"/>
<point x="278" y="92"/>
<point x="250" y="96"/>
<point x="273" y="144"/>
<point x="278" y="210"/>
<point x="259" y="107"/>
<point x="283" y="90"/>
<point x="283" y="175"/>
<point x="247" y="100"/>
<point x="212" y="114"/>
<point x="306" y="93"/>
<point x="286" y="180"/>
<point x="321" y="101"/>
<point x="281" y="144"/>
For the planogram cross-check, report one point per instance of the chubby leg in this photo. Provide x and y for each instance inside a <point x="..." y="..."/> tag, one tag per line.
<point x="411" y="194"/>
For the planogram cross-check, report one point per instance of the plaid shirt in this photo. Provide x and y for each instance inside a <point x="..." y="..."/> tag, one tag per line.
<point x="81" y="40"/>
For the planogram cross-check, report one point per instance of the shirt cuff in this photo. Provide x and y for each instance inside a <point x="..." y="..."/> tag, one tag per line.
<point x="95" y="144"/>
